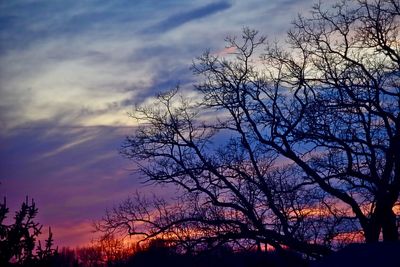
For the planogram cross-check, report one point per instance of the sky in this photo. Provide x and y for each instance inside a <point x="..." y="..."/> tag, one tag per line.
<point x="70" y="73"/>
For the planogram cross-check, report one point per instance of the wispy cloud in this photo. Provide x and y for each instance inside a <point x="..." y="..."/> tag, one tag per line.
<point x="65" y="147"/>
<point x="180" y="19"/>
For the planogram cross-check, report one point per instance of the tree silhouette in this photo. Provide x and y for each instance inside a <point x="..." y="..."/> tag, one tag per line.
<point x="18" y="240"/>
<point x="344" y="73"/>
<point x="294" y="146"/>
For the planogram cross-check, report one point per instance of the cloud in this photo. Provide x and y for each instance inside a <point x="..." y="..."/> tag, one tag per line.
<point x="178" y="20"/>
<point x="65" y="147"/>
<point x="83" y="63"/>
<point x="70" y="233"/>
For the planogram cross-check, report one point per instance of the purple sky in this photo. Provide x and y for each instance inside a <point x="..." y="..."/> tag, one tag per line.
<point x="70" y="71"/>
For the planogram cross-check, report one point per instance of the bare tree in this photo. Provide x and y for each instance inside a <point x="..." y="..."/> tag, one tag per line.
<point x="233" y="194"/>
<point x="344" y="73"/>
<point x="303" y="146"/>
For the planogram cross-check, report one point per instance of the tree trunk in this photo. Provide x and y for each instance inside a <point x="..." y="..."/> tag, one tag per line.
<point x="372" y="231"/>
<point x="383" y="219"/>
<point x="389" y="226"/>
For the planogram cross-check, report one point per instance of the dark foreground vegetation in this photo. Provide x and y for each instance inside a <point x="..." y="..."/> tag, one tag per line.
<point x="19" y="245"/>
<point x="156" y="254"/>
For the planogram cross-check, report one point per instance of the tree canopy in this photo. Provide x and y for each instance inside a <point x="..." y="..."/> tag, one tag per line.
<point x="293" y="144"/>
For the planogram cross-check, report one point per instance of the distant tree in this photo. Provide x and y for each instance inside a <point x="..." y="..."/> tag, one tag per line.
<point x="66" y="257"/>
<point x="106" y="250"/>
<point x="114" y="249"/>
<point x="294" y="146"/>
<point x="90" y="256"/>
<point x="18" y="240"/>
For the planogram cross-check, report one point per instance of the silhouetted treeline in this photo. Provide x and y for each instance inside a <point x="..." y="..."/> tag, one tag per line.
<point x="19" y="246"/>
<point x="158" y="253"/>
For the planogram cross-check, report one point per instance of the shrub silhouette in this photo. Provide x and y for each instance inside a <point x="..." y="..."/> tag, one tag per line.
<point x="18" y="240"/>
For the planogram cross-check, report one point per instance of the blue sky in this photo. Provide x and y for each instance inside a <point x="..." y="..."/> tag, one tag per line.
<point x="70" y="71"/>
